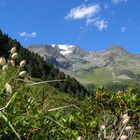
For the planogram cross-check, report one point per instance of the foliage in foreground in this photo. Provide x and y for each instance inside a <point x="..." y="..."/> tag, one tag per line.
<point x="31" y="110"/>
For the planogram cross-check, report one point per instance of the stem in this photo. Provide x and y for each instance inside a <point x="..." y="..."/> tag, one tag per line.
<point x="55" y="122"/>
<point x="10" y="125"/>
<point x="10" y="79"/>
<point x="51" y="81"/>
<point x="15" y="94"/>
<point x="63" y="107"/>
<point x="121" y="132"/>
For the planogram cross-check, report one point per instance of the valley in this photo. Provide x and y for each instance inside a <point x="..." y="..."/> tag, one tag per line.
<point x="92" y="67"/>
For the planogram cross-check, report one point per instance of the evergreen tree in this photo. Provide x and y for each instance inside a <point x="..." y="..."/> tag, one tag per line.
<point x="38" y="68"/>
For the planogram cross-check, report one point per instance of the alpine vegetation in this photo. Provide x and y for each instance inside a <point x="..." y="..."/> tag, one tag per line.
<point x="32" y="108"/>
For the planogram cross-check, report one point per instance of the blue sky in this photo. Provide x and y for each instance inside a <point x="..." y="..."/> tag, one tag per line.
<point x="90" y="24"/>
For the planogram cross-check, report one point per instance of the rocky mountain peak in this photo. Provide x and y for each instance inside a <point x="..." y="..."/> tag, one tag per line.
<point x="65" y="49"/>
<point x="118" y="50"/>
<point x="114" y="62"/>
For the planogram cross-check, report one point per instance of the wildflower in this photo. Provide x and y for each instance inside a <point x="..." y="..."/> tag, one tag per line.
<point x="8" y="88"/>
<point x="124" y="137"/>
<point x="13" y="63"/>
<point x="128" y="128"/>
<point x="119" y="93"/>
<point x="22" y="63"/>
<point x="13" y="50"/>
<point x="103" y="127"/>
<point x="14" y="56"/>
<point x="125" y="121"/>
<point x="98" y="95"/>
<point x="2" y="61"/>
<point x="5" y="68"/>
<point x="99" y="135"/>
<point x="125" y="116"/>
<point x="80" y="138"/>
<point x="22" y="73"/>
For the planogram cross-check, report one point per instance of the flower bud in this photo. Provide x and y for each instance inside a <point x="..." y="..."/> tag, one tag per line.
<point x="13" y="50"/>
<point x="128" y="128"/>
<point x="14" y="56"/>
<point x="125" y="116"/>
<point x="99" y="135"/>
<point x="22" y="63"/>
<point x="13" y="63"/>
<point x="119" y="93"/>
<point x="80" y="138"/>
<point x="8" y="88"/>
<point x="125" y="121"/>
<point x="22" y="73"/>
<point x="5" y="68"/>
<point x="2" y="61"/>
<point x="124" y="137"/>
<point x="103" y="127"/>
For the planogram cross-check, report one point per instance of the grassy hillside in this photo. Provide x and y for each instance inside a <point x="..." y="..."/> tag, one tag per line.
<point x="95" y="76"/>
<point x="32" y="109"/>
<point x="113" y="65"/>
<point x="38" y="68"/>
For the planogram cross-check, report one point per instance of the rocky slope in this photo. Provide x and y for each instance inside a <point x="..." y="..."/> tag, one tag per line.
<point x="111" y="65"/>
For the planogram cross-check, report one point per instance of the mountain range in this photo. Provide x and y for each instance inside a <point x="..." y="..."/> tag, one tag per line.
<point x="113" y="65"/>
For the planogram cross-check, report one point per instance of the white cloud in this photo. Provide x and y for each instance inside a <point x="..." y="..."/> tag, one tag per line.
<point x="123" y="29"/>
<point x="83" y="11"/>
<point x="33" y="34"/>
<point x="28" y="35"/>
<point x="23" y="34"/>
<point x="101" y="24"/>
<point x="118" y="1"/>
<point x="89" y="13"/>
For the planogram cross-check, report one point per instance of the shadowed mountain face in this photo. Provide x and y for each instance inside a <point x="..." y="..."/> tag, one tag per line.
<point x="111" y="65"/>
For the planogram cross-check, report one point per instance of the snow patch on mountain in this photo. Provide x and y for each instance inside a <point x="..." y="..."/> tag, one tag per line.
<point x="53" y="45"/>
<point x="65" y="48"/>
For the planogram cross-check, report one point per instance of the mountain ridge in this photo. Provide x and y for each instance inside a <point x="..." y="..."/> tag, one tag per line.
<point x="41" y="70"/>
<point x="116" y="63"/>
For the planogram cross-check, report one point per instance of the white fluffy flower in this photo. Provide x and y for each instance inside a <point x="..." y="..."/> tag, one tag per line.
<point x="13" y="63"/>
<point x="13" y="50"/>
<point x="103" y="127"/>
<point x="8" y="88"/>
<point x="2" y="61"/>
<point x="14" y="56"/>
<point x="128" y="128"/>
<point x="22" y="63"/>
<point x="22" y="73"/>
<point x="5" y="68"/>
<point x="80" y="138"/>
<point x="125" y="121"/>
<point x="124" y="137"/>
<point x="125" y="116"/>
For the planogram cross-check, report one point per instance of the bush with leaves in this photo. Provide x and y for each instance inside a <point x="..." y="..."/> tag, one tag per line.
<point x="19" y="107"/>
<point x="30" y="110"/>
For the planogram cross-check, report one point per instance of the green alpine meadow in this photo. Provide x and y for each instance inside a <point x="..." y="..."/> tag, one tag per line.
<point x="69" y="70"/>
<point x="37" y="101"/>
